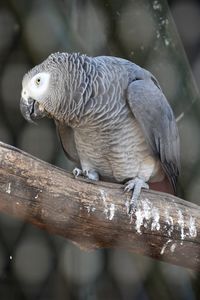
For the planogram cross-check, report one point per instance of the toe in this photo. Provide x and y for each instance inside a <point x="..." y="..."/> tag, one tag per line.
<point x="129" y="185"/>
<point x="77" y="172"/>
<point x="128" y="188"/>
<point x="91" y="174"/>
<point x="135" y="185"/>
<point x="145" y="186"/>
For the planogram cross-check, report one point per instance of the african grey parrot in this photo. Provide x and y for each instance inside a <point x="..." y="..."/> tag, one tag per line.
<point x="112" y="118"/>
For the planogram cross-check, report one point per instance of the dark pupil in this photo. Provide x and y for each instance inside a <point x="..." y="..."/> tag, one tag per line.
<point x="38" y="80"/>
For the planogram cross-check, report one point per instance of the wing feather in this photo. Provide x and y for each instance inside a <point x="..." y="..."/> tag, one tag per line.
<point x="154" y="114"/>
<point x="66" y="136"/>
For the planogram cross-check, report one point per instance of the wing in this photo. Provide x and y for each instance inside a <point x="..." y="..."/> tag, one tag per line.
<point x="154" y="114"/>
<point x="66" y="136"/>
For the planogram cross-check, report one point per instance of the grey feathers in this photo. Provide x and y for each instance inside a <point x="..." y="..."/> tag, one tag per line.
<point x="66" y="136"/>
<point x="155" y="116"/>
<point x="111" y="115"/>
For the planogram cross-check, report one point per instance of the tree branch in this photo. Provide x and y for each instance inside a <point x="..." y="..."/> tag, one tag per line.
<point x="94" y="215"/>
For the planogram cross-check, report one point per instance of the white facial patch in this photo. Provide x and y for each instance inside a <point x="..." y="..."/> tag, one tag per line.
<point x="36" y="87"/>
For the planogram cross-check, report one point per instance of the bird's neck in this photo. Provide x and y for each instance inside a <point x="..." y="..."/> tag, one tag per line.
<point x="80" y="75"/>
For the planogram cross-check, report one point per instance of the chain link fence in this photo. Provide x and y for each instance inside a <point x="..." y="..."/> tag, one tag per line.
<point x="34" y="264"/>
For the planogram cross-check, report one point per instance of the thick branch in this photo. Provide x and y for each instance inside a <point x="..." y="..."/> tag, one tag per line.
<point x="95" y="215"/>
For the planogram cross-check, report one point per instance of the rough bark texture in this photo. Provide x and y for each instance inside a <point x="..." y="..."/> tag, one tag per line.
<point x="94" y="215"/>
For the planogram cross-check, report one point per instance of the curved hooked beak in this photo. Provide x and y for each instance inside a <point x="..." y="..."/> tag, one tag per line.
<point x="31" y="110"/>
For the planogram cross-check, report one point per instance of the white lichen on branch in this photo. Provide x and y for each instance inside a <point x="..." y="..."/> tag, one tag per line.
<point x="181" y="223"/>
<point x="192" y="227"/>
<point x="146" y="214"/>
<point x="173" y="247"/>
<point x="170" y="223"/>
<point x="8" y="188"/>
<point x="109" y="209"/>
<point x="165" y="246"/>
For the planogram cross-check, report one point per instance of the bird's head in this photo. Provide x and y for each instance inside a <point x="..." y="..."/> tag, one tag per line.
<point x="42" y="89"/>
<point x="35" y="87"/>
<point x="55" y="88"/>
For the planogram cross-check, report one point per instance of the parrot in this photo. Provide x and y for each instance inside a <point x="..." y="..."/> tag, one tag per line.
<point x="112" y="119"/>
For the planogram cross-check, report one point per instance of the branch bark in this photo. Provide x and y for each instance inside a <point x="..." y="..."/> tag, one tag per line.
<point x="94" y="215"/>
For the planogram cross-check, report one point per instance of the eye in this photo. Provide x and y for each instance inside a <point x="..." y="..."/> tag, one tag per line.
<point x="38" y="81"/>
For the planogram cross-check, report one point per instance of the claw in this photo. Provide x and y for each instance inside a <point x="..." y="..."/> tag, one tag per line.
<point x="77" y="172"/>
<point x="136" y="185"/>
<point x="91" y="174"/>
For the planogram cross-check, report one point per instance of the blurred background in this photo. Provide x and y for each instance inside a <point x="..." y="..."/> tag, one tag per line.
<point x="161" y="36"/>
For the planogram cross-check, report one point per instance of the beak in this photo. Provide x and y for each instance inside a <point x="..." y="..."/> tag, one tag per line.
<point x="31" y="110"/>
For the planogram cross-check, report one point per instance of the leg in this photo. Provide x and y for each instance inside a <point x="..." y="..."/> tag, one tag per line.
<point x="136" y="185"/>
<point x="148" y="168"/>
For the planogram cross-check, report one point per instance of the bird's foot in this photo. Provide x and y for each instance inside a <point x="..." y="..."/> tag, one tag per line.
<point x="135" y="185"/>
<point x="77" y="172"/>
<point x="89" y="174"/>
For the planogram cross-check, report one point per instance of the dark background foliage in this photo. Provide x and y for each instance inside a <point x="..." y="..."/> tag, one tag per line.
<point x="33" y="264"/>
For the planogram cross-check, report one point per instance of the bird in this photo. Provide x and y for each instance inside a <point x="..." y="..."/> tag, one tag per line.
<point x="112" y="119"/>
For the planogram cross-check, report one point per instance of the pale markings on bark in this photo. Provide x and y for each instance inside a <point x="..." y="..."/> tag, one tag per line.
<point x="109" y="209"/>
<point x="173" y="247"/>
<point x="192" y="227"/>
<point x="112" y="211"/>
<point x="139" y="220"/>
<point x="165" y="246"/>
<point x="170" y="223"/>
<point x="8" y="189"/>
<point x="90" y="208"/>
<point x="145" y="212"/>
<point x="181" y="224"/>
<point x="156" y="217"/>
